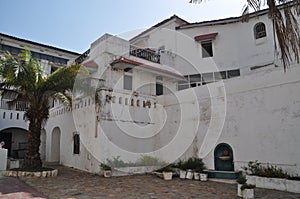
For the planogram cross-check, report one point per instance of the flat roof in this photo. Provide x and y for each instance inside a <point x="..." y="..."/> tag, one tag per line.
<point x="39" y="44"/>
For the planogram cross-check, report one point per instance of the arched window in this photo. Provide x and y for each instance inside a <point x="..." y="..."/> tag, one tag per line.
<point x="260" y="30"/>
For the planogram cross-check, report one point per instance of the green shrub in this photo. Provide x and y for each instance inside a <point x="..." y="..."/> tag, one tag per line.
<point x="242" y="179"/>
<point x="247" y="186"/>
<point x="105" y="167"/>
<point x="192" y="163"/>
<point x="270" y="171"/>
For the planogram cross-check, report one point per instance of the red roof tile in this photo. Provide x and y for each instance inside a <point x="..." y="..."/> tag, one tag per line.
<point x="206" y="37"/>
<point x="128" y="61"/>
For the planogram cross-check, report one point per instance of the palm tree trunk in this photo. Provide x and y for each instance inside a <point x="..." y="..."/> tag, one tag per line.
<point x="32" y="157"/>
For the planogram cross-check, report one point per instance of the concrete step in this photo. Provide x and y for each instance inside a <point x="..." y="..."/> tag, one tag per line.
<point x="229" y="175"/>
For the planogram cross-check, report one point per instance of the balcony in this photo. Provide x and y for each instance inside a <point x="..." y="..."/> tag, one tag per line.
<point x="17" y="106"/>
<point x="147" y="54"/>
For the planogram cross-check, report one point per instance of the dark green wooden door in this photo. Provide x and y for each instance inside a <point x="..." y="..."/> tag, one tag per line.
<point x="223" y="158"/>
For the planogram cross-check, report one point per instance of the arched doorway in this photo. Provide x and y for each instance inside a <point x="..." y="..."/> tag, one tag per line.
<point x="43" y="145"/>
<point x="15" y="141"/>
<point x="55" y="145"/>
<point x="223" y="156"/>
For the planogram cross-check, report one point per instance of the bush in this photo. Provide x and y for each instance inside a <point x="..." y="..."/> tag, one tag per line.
<point x="270" y="171"/>
<point x="105" y="167"/>
<point x="242" y="179"/>
<point x="247" y="186"/>
<point x="192" y="163"/>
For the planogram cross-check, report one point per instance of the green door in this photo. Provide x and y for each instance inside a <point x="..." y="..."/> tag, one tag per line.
<point x="223" y="158"/>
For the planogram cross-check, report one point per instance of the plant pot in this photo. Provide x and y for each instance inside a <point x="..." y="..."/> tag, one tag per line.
<point x="239" y="191"/>
<point x="189" y="174"/>
<point x="203" y="176"/>
<point x="248" y="193"/>
<point x="182" y="174"/>
<point x="107" y="173"/>
<point x="167" y="175"/>
<point x="196" y="176"/>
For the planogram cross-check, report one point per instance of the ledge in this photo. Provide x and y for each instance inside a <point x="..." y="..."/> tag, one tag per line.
<point x="39" y="174"/>
<point x="280" y="184"/>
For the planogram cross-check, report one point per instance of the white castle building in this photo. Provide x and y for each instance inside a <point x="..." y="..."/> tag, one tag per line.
<point x="214" y="89"/>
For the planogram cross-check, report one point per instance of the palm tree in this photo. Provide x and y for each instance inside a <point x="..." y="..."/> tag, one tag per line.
<point x="22" y="79"/>
<point x="285" y="26"/>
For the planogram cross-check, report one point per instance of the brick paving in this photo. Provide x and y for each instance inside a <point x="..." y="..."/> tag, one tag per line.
<point x="74" y="184"/>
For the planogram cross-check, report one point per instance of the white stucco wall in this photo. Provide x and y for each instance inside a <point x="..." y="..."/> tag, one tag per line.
<point x="261" y="121"/>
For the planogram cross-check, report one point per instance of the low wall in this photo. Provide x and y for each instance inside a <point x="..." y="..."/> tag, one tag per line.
<point x="3" y="159"/>
<point x="280" y="184"/>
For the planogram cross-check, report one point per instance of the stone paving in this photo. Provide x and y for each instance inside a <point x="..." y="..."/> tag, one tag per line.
<point x="74" y="184"/>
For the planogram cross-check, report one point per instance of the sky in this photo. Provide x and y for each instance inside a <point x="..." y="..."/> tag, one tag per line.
<point x="74" y="24"/>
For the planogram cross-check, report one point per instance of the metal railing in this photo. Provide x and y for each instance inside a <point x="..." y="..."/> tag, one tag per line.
<point x="16" y="106"/>
<point x="83" y="57"/>
<point x="147" y="54"/>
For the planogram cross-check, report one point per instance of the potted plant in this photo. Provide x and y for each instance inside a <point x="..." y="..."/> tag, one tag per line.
<point x="241" y="181"/>
<point x="197" y="172"/>
<point x="106" y="170"/>
<point x="182" y="169"/>
<point x="247" y="191"/>
<point x="167" y="172"/>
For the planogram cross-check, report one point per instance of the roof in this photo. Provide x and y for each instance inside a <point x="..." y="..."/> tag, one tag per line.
<point x="39" y="44"/>
<point x="230" y="19"/>
<point x="160" y="24"/>
<point x="142" y="66"/>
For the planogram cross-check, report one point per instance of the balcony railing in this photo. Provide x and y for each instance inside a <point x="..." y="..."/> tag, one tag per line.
<point x="17" y="106"/>
<point x="147" y="54"/>
<point x="82" y="57"/>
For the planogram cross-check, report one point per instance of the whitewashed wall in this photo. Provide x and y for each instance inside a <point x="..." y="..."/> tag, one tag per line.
<point x="261" y="121"/>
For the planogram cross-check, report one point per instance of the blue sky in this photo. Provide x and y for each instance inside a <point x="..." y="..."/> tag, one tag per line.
<point x="74" y="24"/>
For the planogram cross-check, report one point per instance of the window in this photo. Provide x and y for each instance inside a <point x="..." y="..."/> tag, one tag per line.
<point x="159" y="86"/>
<point x="127" y="82"/>
<point x="260" y="30"/>
<point x="76" y="147"/>
<point x="207" y="50"/>
<point x="207" y="78"/>
<point x="233" y="73"/>
<point x="128" y="78"/>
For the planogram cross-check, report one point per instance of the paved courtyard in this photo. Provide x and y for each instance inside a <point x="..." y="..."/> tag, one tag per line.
<point x="75" y="184"/>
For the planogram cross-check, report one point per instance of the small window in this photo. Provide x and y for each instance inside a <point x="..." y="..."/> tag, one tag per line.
<point x="159" y="89"/>
<point x="260" y="30"/>
<point x="207" y="50"/>
<point x="120" y="100"/>
<point x="132" y="102"/>
<point x="127" y="82"/>
<point x="76" y="147"/>
<point x="207" y="78"/>
<point x="233" y="73"/>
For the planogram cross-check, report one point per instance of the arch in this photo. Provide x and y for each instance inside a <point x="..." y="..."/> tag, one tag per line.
<point x="260" y="30"/>
<point x="55" y="145"/>
<point x="15" y="141"/>
<point x="223" y="157"/>
<point x="43" y="145"/>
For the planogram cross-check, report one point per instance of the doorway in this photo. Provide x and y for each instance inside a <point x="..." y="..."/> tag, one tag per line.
<point x="223" y="156"/>
<point x="7" y="138"/>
